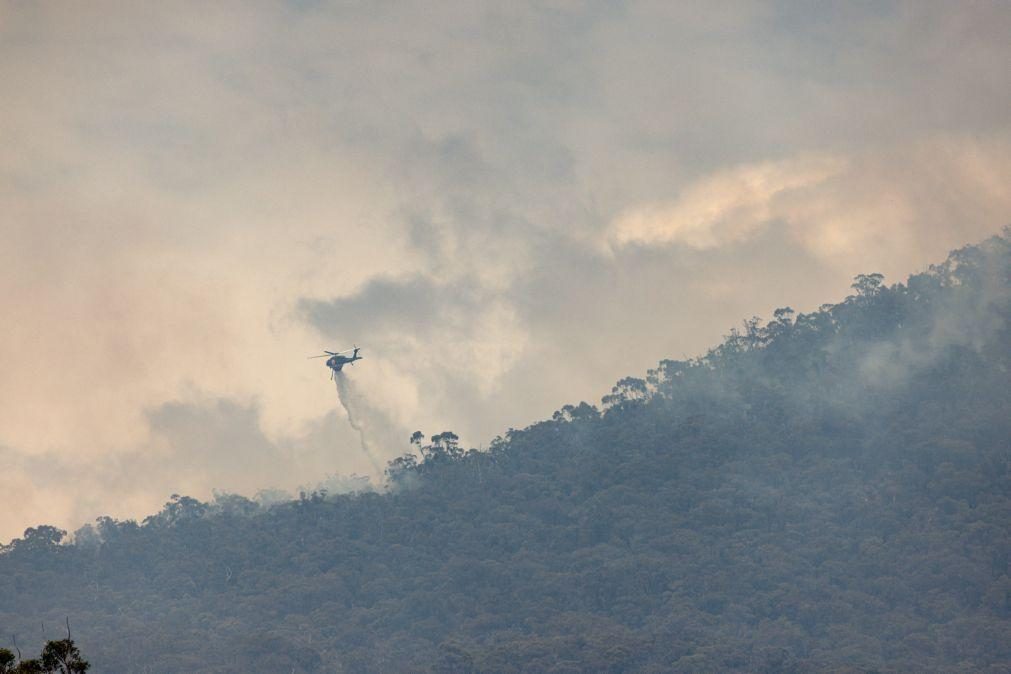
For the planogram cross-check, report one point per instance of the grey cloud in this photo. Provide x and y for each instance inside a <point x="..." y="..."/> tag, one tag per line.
<point x="413" y="305"/>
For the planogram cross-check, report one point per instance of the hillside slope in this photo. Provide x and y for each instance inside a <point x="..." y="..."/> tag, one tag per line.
<point x="826" y="491"/>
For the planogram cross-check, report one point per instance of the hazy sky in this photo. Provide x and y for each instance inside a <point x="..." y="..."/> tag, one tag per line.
<point x="508" y="205"/>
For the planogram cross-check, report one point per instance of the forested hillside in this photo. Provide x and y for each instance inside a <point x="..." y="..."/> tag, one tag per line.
<point x="827" y="491"/>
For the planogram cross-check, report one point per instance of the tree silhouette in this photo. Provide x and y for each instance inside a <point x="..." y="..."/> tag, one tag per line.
<point x="58" y="657"/>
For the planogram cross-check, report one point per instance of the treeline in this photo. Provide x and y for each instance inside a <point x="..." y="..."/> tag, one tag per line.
<point x="58" y="657"/>
<point x="827" y="491"/>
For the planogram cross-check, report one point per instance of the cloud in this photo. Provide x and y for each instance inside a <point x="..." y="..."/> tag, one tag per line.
<point x="724" y="208"/>
<point x="194" y="199"/>
<point x="406" y="305"/>
<point x="877" y="205"/>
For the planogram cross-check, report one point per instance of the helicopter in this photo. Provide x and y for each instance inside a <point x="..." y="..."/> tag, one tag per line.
<point x="337" y="359"/>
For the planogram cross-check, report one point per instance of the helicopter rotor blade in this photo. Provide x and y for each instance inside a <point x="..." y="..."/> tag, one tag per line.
<point x="311" y="357"/>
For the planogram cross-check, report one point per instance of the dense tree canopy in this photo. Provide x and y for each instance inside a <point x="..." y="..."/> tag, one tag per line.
<point x="823" y="491"/>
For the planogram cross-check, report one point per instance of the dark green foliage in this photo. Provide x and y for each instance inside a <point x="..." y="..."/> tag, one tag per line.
<point x="58" y="657"/>
<point x="825" y="492"/>
<point x="32" y="666"/>
<point x="7" y="661"/>
<point x="63" y="657"/>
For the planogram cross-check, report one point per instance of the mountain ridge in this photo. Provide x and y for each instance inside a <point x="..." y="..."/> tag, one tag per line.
<point x="827" y="491"/>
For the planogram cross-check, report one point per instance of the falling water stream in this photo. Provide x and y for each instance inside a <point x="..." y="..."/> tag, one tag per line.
<point x="348" y="400"/>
